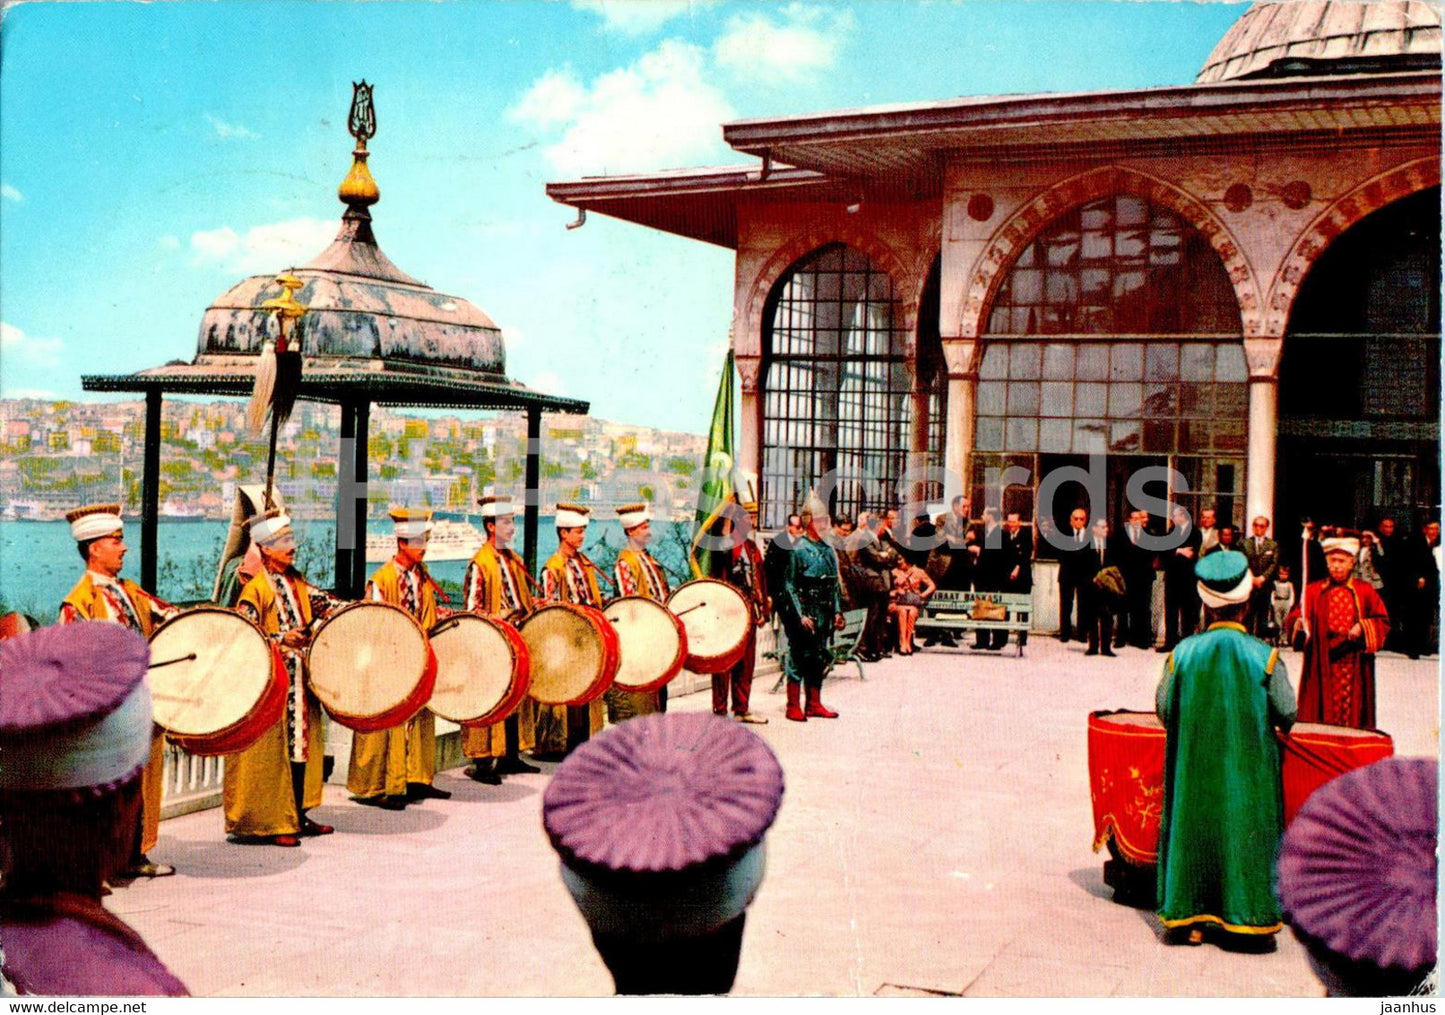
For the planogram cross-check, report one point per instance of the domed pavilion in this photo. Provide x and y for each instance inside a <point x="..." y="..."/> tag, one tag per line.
<point x="371" y="333"/>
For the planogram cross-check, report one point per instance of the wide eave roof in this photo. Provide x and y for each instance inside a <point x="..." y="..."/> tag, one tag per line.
<point x="903" y="148"/>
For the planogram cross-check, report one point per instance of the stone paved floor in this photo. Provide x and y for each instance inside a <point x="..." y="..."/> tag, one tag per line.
<point x="935" y="838"/>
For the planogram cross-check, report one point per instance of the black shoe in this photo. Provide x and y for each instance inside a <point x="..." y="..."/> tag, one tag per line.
<point x="516" y="766"/>
<point x="1091" y="651"/>
<point x="392" y="803"/>
<point x="486" y="775"/>
<point x="1109" y="652"/>
<point x="422" y="791"/>
<point x="1065" y="637"/>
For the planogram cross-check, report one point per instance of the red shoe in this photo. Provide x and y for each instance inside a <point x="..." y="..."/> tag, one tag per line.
<point x="795" y="708"/>
<point x="285" y="840"/>
<point x="309" y="827"/>
<point x="816" y="708"/>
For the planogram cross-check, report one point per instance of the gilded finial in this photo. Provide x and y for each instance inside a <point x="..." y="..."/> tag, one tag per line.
<point x="359" y="190"/>
<point x="286" y="305"/>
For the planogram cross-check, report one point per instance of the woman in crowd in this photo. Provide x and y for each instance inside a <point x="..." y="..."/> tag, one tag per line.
<point x="911" y="589"/>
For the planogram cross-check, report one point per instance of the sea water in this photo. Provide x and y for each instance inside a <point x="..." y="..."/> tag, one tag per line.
<point x="39" y="564"/>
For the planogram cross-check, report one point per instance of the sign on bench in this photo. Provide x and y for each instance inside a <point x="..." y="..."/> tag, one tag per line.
<point x="950" y="610"/>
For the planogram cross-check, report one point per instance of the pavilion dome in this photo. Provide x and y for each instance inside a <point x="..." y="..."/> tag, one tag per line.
<point x="363" y="312"/>
<point x="1276" y="38"/>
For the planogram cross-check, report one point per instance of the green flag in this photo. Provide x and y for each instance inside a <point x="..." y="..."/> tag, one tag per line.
<point x="717" y="485"/>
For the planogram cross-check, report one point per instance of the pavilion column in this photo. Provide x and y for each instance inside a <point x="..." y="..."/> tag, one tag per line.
<point x="150" y="491"/>
<point x="532" y="505"/>
<point x="750" y="414"/>
<point x="917" y="449"/>
<point x="1263" y="435"/>
<point x="959" y="427"/>
<point x="362" y="440"/>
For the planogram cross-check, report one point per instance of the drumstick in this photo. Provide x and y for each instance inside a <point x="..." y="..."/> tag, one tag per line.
<point x="190" y="658"/>
<point x="683" y="613"/>
<point x="445" y="625"/>
<point x="600" y="573"/>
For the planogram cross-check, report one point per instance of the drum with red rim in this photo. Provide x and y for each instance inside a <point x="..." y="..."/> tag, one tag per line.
<point x="717" y="619"/>
<point x="574" y="653"/>
<point x="483" y="669"/>
<point x="371" y="666"/>
<point x="217" y="682"/>
<point x="1126" y="773"/>
<point x="653" y="643"/>
<point x="1314" y="753"/>
<point x="1126" y="782"/>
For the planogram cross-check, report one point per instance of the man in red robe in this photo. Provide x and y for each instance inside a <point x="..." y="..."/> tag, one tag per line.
<point x="1345" y="625"/>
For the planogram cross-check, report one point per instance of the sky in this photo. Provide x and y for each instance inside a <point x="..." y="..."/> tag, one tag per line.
<point x="153" y="155"/>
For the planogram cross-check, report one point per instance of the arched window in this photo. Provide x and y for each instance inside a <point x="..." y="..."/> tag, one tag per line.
<point x="1117" y="266"/>
<point x="1116" y="332"/>
<point x="836" y="386"/>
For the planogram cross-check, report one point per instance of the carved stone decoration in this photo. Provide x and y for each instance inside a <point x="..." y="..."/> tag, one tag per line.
<point x="960" y="357"/>
<point x="1262" y="355"/>
<point x="1238" y="197"/>
<point x="1020" y="229"/>
<point x="1369" y="197"/>
<point x="1296" y="194"/>
<point x="980" y="207"/>
<point x="749" y="368"/>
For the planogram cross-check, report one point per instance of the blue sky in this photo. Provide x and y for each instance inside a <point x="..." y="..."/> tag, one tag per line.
<point x="155" y="154"/>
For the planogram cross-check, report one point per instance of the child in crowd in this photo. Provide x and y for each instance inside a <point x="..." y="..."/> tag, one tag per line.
<point x="1281" y="602"/>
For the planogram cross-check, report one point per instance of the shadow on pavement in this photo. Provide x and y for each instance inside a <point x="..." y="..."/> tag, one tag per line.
<point x="218" y="858"/>
<point x="354" y="819"/>
<point x="470" y="792"/>
<point x="1091" y="880"/>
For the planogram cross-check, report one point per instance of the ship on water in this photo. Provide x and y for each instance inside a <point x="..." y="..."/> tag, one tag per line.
<point x="450" y="540"/>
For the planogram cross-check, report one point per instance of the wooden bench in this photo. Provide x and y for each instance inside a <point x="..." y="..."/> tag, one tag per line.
<point x="952" y="612"/>
<point x="844" y="645"/>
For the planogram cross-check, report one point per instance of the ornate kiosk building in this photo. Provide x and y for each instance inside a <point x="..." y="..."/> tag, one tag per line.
<point x="1238" y="278"/>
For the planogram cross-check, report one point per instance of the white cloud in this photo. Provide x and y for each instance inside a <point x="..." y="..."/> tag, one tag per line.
<point x="549" y="382"/>
<point x="169" y="242"/>
<point x="635" y="17"/>
<point x="29" y="349"/>
<point x="795" y="49"/>
<point x="263" y="248"/>
<point x="40" y="393"/>
<point x="229" y="130"/>
<point x="658" y="112"/>
<point x="9" y="193"/>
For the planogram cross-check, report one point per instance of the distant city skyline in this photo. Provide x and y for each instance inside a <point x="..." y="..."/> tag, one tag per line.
<point x="155" y="154"/>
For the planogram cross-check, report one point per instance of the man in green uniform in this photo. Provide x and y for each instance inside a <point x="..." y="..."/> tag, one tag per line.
<point x="1221" y="695"/>
<point x="810" y="607"/>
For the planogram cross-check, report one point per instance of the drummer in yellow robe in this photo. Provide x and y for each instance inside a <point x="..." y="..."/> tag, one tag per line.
<point x="391" y="768"/>
<point x="637" y="573"/>
<point x="269" y="786"/>
<point x="495" y="585"/>
<point x="569" y="577"/>
<point x="101" y="594"/>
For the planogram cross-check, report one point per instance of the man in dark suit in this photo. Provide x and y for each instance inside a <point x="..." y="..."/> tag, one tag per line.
<point x="989" y="571"/>
<point x="1071" y="563"/>
<point x="1136" y="625"/>
<point x="1016" y="567"/>
<point x="1422" y="595"/>
<point x="1181" y="595"/>
<point x="1389" y="564"/>
<point x="1096" y="603"/>
<point x="1263" y="555"/>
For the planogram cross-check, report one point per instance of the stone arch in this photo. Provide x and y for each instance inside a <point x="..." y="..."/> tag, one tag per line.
<point x="1369" y="197"/>
<point x="1020" y="229"/>
<point x="907" y="280"/>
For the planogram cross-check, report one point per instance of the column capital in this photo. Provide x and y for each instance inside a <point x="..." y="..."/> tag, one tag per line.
<point x="1263" y="355"/>
<point x="749" y="368"/>
<point x="960" y="356"/>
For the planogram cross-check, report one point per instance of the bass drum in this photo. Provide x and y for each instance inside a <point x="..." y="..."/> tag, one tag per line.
<point x="652" y="641"/>
<point x="217" y="682"/>
<point x="483" y="669"/>
<point x="574" y="652"/>
<point x="717" y="619"/>
<point x="371" y="666"/>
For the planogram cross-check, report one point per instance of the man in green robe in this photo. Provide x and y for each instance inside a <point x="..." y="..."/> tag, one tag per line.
<point x="1221" y="695"/>
<point x="810" y="605"/>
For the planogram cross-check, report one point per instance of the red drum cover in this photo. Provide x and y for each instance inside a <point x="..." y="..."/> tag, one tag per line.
<point x="1315" y="753"/>
<point x="371" y="666"/>
<point x="1126" y="782"/>
<point x="717" y="619"/>
<point x="217" y="682"/>
<point x="483" y="669"/>
<point x="652" y="642"/>
<point x="574" y="653"/>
